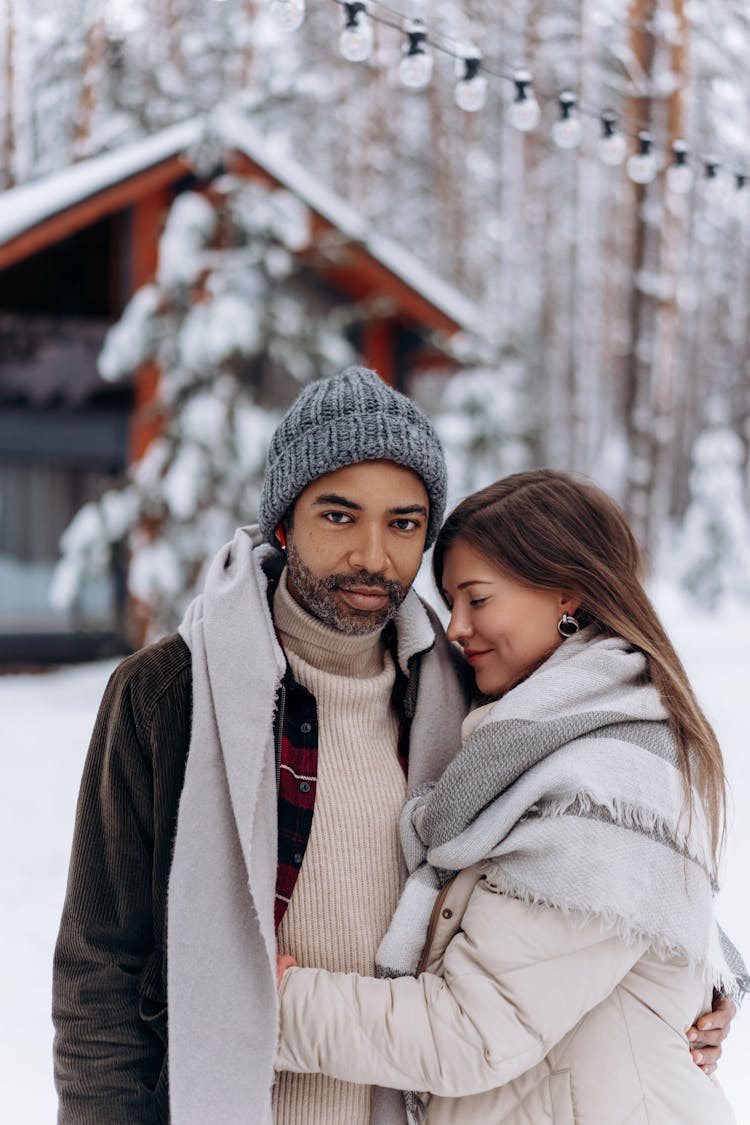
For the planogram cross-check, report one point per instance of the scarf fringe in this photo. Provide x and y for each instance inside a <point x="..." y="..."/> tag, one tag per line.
<point x="679" y="836"/>
<point x="627" y="929"/>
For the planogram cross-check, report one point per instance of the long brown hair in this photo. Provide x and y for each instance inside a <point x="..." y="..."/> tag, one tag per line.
<point x="550" y="530"/>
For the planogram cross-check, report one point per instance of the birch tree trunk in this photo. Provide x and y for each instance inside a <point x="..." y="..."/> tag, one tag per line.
<point x="91" y="80"/>
<point x="652" y="370"/>
<point x="7" y="167"/>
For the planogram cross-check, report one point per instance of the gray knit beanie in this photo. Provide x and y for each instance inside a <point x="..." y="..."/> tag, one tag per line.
<point x="341" y="421"/>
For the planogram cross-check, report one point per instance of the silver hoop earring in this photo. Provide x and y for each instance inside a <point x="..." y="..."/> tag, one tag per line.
<point x="567" y="626"/>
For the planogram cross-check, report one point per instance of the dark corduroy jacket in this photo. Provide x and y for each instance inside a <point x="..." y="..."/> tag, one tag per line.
<point x="118" y="885"/>
<point x="109" y="991"/>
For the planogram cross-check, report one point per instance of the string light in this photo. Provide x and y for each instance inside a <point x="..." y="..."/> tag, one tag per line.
<point x="679" y="173"/>
<point x="471" y="88"/>
<point x="642" y="165"/>
<point x="524" y="112"/>
<point x="567" y="131"/>
<point x="612" y="148"/>
<point x="355" y="41"/>
<point x="415" y="68"/>
<point x="713" y="185"/>
<point x="289" y="15"/>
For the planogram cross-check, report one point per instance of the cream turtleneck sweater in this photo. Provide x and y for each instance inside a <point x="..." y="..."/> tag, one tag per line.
<point x="350" y="878"/>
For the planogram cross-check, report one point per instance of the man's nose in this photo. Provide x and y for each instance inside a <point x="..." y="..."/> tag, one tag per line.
<point x="370" y="551"/>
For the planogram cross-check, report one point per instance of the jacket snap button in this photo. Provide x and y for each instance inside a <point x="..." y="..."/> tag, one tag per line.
<point x="447" y="913"/>
<point x="297" y="857"/>
<point x="304" y="786"/>
<point x="305" y="728"/>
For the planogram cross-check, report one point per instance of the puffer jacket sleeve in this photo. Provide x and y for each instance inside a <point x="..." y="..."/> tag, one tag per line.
<point x="516" y="979"/>
<point x="109" y="1006"/>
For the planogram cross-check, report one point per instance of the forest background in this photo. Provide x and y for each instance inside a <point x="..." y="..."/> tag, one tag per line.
<point x="615" y="315"/>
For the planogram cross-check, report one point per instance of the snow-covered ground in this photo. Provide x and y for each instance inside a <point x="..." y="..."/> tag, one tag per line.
<point x="46" y="720"/>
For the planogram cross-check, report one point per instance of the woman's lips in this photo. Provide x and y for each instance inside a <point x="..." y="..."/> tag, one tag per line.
<point x="473" y="655"/>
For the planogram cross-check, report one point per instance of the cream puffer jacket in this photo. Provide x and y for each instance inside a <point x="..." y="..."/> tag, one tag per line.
<point x="521" y="1015"/>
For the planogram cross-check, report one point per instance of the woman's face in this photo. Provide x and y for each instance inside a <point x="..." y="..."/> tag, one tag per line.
<point x="505" y="628"/>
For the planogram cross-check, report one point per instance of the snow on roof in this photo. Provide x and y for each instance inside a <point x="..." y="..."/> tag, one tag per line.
<point x="24" y="207"/>
<point x="245" y="137"/>
<point x="28" y="205"/>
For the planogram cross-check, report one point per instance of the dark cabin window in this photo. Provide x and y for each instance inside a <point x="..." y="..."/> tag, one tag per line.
<point x="63" y="430"/>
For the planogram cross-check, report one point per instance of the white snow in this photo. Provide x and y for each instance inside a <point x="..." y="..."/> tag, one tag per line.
<point x="130" y="341"/>
<point x="253" y="428"/>
<point x="46" y="722"/>
<point x="182" y="486"/>
<point x="711" y="557"/>
<point x="155" y="568"/>
<point x="30" y="204"/>
<point x="236" y="131"/>
<point x="188" y="231"/>
<point x="211" y="333"/>
<point x="203" y="419"/>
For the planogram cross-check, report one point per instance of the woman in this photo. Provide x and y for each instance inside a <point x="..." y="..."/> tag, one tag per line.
<point x="556" y="935"/>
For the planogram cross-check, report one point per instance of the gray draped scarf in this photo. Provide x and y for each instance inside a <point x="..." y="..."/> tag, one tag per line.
<point x="223" y="1008"/>
<point x="568" y="791"/>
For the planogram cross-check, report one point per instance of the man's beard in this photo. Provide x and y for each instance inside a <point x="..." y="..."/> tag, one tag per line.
<point x="318" y="595"/>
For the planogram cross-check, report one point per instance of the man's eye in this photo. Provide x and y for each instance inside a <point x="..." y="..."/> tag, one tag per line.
<point x="405" y="524"/>
<point x="337" y="517"/>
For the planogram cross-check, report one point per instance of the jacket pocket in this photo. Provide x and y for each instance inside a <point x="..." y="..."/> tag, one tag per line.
<point x="152" y="1009"/>
<point x="152" y="995"/>
<point x="561" y="1098"/>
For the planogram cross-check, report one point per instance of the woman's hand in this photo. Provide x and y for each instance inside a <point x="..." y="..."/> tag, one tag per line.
<point x="283" y="962"/>
<point x="709" y="1031"/>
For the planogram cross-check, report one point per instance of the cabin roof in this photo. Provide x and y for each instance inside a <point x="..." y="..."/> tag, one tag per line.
<point x="35" y="215"/>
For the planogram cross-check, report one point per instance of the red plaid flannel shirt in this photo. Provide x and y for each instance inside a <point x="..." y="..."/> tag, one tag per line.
<point x="296" y="732"/>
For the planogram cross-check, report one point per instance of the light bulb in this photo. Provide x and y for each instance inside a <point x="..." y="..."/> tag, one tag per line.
<point x="471" y="88"/>
<point x="471" y="94"/>
<point x="642" y="165"/>
<point x="679" y="173"/>
<point x="524" y="112"/>
<point x="712" y="182"/>
<point x="355" y="41"/>
<point x="415" y="68"/>
<point x="289" y="15"/>
<point x="679" y="178"/>
<point x="612" y="150"/>
<point x="567" y="131"/>
<point x="611" y="146"/>
<point x="738" y="200"/>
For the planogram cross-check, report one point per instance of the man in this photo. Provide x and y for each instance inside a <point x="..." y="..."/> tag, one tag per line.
<point x="307" y="679"/>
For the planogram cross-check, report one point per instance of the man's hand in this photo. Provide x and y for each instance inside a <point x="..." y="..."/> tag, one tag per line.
<point x="284" y="962"/>
<point x="709" y="1032"/>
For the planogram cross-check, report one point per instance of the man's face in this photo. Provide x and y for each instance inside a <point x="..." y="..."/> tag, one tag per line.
<point x="355" y="544"/>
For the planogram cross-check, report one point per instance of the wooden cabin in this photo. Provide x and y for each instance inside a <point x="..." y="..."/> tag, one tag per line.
<point x="73" y="249"/>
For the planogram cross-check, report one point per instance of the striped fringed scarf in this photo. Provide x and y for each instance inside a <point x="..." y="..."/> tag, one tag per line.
<point x="568" y="789"/>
